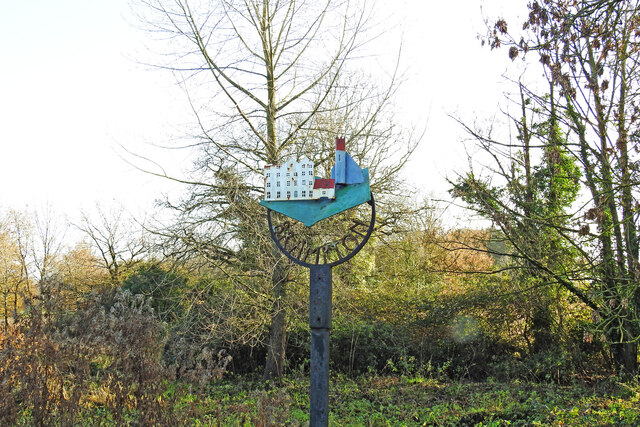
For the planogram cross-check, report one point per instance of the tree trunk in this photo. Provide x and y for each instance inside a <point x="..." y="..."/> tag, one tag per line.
<point x="541" y="327"/>
<point x="276" y="349"/>
<point x="625" y="355"/>
<point x="274" y="367"/>
<point x="6" y="312"/>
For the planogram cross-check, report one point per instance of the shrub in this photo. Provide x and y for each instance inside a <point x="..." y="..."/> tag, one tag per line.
<point x="361" y="347"/>
<point x="103" y="362"/>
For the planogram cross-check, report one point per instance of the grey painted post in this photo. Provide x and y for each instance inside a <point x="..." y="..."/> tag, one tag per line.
<point x="320" y="323"/>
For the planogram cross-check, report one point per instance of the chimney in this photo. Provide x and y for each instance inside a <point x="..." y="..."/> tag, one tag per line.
<point x="339" y="172"/>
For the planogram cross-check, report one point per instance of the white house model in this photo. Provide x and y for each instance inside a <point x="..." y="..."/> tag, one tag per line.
<point x="295" y="180"/>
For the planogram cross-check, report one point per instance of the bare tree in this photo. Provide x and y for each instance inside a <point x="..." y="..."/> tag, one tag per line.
<point x="260" y="75"/>
<point x="30" y="244"/>
<point x="48" y="243"/>
<point x="117" y="239"/>
<point x="12" y="275"/>
<point x="20" y="232"/>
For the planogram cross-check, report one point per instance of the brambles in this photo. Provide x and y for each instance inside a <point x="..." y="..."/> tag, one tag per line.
<point x="102" y="363"/>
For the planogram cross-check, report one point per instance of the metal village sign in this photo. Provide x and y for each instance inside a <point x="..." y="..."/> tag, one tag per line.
<point x="344" y="211"/>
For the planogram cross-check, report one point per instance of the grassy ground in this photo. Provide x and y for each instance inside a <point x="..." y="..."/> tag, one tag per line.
<point x="401" y="401"/>
<point x="372" y="400"/>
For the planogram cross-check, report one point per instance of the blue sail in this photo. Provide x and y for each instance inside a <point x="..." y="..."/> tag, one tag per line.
<point x="346" y="172"/>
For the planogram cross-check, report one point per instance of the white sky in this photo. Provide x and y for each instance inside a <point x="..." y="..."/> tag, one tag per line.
<point x="71" y="93"/>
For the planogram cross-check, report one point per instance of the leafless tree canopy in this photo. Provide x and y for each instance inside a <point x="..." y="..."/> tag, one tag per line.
<point x="267" y="80"/>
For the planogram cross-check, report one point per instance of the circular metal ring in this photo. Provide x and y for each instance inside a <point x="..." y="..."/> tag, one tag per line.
<point x="350" y="255"/>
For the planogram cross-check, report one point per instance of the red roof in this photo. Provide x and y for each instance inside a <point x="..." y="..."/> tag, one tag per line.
<point x="340" y="144"/>
<point x="324" y="183"/>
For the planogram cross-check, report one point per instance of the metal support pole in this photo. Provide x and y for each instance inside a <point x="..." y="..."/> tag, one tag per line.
<point x="320" y="323"/>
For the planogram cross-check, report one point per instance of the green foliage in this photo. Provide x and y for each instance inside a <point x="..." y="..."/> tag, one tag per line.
<point x="357" y="348"/>
<point x="405" y="324"/>
<point x="165" y="289"/>
<point x="587" y="117"/>
<point x="529" y="198"/>
<point x="389" y="401"/>
<point x="374" y="400"/>
<point x="553" y="366"/>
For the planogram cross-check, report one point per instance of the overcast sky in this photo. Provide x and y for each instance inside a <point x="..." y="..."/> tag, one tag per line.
<point x="72" y="93"/>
